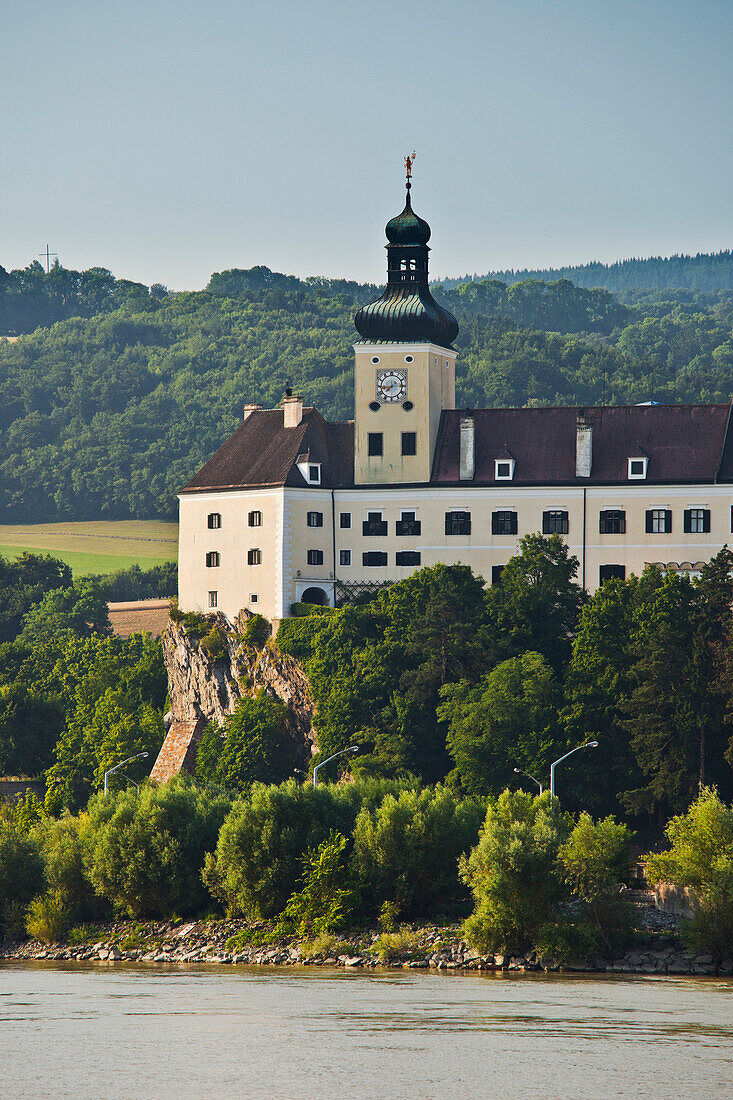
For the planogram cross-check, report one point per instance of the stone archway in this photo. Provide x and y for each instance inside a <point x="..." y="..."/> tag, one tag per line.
<point x="316" y="596"/>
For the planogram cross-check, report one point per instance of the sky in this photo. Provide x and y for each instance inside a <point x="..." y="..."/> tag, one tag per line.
<point x="167" y="140"/>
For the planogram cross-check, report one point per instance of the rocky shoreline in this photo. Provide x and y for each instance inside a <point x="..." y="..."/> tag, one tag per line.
<point x="414" y="947"/>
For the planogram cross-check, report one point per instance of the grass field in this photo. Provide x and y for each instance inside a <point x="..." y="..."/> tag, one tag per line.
<point x="101" y="547"/>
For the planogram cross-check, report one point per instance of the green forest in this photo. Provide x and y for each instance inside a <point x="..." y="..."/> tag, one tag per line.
<point x="114" y="394"/>
<point x="705" y="271"/>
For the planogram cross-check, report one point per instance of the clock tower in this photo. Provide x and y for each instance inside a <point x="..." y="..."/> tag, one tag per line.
<point x="405" y="363"/>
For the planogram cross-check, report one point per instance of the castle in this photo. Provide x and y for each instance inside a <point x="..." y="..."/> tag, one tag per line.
<point x="293" y="508"/>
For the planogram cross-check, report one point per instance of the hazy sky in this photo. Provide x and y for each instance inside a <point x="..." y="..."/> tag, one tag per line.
<point x="168" y="140"/>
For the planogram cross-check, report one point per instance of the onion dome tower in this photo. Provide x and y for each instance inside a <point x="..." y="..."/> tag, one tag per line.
<point x="407" y="312"/>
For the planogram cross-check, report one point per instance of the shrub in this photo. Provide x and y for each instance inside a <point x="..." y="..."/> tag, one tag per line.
<point x="21" y="873"/>
<point x="323" y="903"/>
<point x="62" y="848"/>
<point x="701" y="858"/>
<point x="145" y="851"/>
<point x="46" y="918"/>
<point x="213" y="642"/>
<point x="406" y="850"/>
<point x="514" y="872"/>
<point x="259" y="855"/>
<point x="395" y="945"/>
<point x="256" y="632"/>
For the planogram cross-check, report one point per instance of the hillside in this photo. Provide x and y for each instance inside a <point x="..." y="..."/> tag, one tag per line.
<point x="106" y="416"/>
<point x="705" y="271"/>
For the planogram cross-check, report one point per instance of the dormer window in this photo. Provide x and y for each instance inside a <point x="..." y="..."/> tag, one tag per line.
<point x="503" y="469"/>
<point x="311" y="471"/>
<point x="637" y="468"/>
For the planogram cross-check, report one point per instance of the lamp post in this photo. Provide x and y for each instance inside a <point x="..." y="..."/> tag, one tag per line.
<point x="121" y="764"/>
<point x="520" y="772"/>
<point x="351" y="748"/>
<point x="587" y="745"/>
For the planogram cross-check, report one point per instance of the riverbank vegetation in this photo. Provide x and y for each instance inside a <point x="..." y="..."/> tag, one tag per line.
<point x="446" y="687"/>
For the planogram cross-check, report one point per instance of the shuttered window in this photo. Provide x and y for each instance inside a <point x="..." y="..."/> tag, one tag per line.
<point x="658" y="521"/>
<point x="503" y="523"/>
<point x="697" y="521"/>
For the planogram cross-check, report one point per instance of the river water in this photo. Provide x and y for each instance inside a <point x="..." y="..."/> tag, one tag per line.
<point x="104" y="1032"/>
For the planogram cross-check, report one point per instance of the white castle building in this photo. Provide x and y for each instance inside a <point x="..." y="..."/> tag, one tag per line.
<point x="294" y="508"/>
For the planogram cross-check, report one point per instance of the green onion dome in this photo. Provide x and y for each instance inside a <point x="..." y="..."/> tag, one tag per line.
<point x="407" y="312"/>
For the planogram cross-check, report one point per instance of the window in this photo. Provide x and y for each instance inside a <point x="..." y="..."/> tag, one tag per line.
<point x="344" y="557"/>
<point x="212" y="559"/>
<point x="374" y="557"/>
<point x="607" y="572"/>
<point x="407" y="557"/>
<point x="375" y="443"/>
<point x="503" y="469"/>
<point x="213" y="599"/>
<point x="315" y="519"/>
<point x="254" y="557"/>
<point x="314" y="473"/>
<point x="315" y="557"/>
<point x="637" y="468"/>
<point x="554" y="523"/>
<point x="253" y="597"/>
<point x="344" y="520"/>
<point x="214" y="521"/>
<point x="612" y="521"/>
<point x="458" y="523"/>
<point x="407" y="524"/>
<point x="255" y="519"/>
<point x="503" y="523"/>
<point x="496" y="572"/>
<point x="658" y="521"/>
<point x="375" y="359"/>
<point x="374" y="524"/>
<point x="409" y="359"/>
<point x="697" y="521"/>
<point x="409" y="443"/>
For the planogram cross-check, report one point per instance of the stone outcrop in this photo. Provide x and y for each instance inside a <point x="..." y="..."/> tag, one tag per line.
<point x="205" y="689"/>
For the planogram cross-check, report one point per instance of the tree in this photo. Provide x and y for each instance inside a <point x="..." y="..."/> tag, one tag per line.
<point x="597" y="861"/>
<point x="537" y="603"/>
<point x="323" y="903"/>
<point x="507" y="720"/>
<point x="597" y="687"/>
<point x="259" y="855"/>
<point x="21" y="874"/>
<point x="514" y="871"/>
<point x="406" y="849"/>
<point x="81" y="608"/>
<point x="29" y="727"/>
<point x="251" y="747"/>
<point x="661" y="705"/>
<point x="145" y="851"/>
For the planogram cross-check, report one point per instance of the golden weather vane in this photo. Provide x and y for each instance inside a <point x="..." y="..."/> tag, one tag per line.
<point x="409" y="161"/>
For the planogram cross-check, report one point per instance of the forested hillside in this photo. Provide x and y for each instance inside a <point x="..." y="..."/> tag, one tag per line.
<point x="108" y="415"/>
<point x="705" y="271"/>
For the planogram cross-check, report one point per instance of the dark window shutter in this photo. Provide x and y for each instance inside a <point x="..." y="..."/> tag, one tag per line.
<point x="706" y="521"/>
<point x="649" y="522"/>
<point x="513" y="523"/>
<point x="601" y="523"/>
<point x="668" y="522"/>
<point x="687" y="522"/>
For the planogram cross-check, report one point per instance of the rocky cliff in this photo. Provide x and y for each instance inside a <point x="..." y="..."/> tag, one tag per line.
<point x="205" y="688"/>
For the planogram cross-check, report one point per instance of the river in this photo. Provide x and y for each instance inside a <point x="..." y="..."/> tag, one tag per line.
<point x="140" y="1032"/>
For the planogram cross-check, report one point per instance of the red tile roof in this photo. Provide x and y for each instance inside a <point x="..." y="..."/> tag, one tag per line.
<point x="684" y="443"/>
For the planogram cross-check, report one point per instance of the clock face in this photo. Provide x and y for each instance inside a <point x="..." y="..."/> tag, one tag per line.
<point x="391" y="385"/>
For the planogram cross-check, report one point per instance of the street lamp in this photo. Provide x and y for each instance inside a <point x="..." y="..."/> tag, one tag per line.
<point x="520" y="772"/>
<point x="351" y="748"/>
<point x="121" y="764"/>
<point x="587" y="745"/>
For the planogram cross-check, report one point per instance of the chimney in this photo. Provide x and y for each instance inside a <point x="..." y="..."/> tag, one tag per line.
<point x="467" y="454"/>
<point x="292" y="410"/>
<point x="583" y="445"/>
<point x="249" y="409"/>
